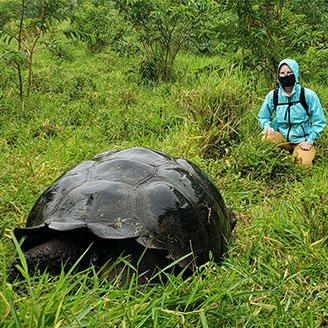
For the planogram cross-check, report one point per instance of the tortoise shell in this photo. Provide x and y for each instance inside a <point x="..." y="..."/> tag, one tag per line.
<point x="162" y="202"/>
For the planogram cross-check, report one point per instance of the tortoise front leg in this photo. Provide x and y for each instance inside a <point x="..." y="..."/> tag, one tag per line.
<point x="51" y="255"/>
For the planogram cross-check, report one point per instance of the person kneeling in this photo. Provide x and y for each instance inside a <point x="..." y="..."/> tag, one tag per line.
<point x="292" y="116"/>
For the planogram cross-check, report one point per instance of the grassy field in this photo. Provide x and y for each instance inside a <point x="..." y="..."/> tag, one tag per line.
<point x="275" y="273"/>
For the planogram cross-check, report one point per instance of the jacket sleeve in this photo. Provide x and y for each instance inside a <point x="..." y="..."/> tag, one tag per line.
<point x="317" y="118"/>
<point x="265" y="113"/>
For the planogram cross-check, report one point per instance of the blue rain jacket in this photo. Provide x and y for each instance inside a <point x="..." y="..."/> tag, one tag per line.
<point x="294" y="124"/>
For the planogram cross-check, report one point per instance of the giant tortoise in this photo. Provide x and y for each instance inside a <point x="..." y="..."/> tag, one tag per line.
<point x="135" y="202"/>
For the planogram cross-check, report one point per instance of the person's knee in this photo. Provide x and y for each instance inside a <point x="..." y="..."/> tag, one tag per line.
<point x="278" y="139"/>
<point x="303" y="161"/>
<point x="304" y="157"/>
<point x="275" y="137"/>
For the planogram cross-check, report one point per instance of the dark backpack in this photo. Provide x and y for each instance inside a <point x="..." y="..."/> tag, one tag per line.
<point x="301" y="100"/>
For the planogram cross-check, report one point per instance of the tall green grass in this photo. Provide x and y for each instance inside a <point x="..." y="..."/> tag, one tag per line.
<point x="275" y="273"/>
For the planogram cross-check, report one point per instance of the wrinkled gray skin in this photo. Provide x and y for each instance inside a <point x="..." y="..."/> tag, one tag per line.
<point x="136" y="203"/>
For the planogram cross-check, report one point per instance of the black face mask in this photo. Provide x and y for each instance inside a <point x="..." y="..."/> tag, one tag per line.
<point x="287" y="81"/>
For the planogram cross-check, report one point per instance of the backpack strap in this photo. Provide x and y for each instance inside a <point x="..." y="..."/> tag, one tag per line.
<point x="275" y="100"/>
<point x="303" y="101"/>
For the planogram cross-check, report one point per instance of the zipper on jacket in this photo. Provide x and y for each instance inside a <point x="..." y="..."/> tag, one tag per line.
<point x="304" y="132"/>
<point x="288" y="112"/>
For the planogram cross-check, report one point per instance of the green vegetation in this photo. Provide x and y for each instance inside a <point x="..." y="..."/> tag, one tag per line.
<point x="89" y="93"/>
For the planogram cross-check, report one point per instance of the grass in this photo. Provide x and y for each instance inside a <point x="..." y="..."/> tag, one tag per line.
<point x="275" y="273"/>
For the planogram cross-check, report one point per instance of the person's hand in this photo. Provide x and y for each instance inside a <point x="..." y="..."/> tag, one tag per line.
<point x="268" y="130"/>
<point x="305" y="145"/>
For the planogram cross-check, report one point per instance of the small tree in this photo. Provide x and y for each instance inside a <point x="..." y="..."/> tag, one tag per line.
<point x="163" y="28"/>
<point x="256" y="32"/>
<point x="99" y="21"/>
<point x="22" y="30"/>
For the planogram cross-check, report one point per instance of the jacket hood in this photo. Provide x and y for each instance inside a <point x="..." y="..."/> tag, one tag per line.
<point x="293" y="66"/>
